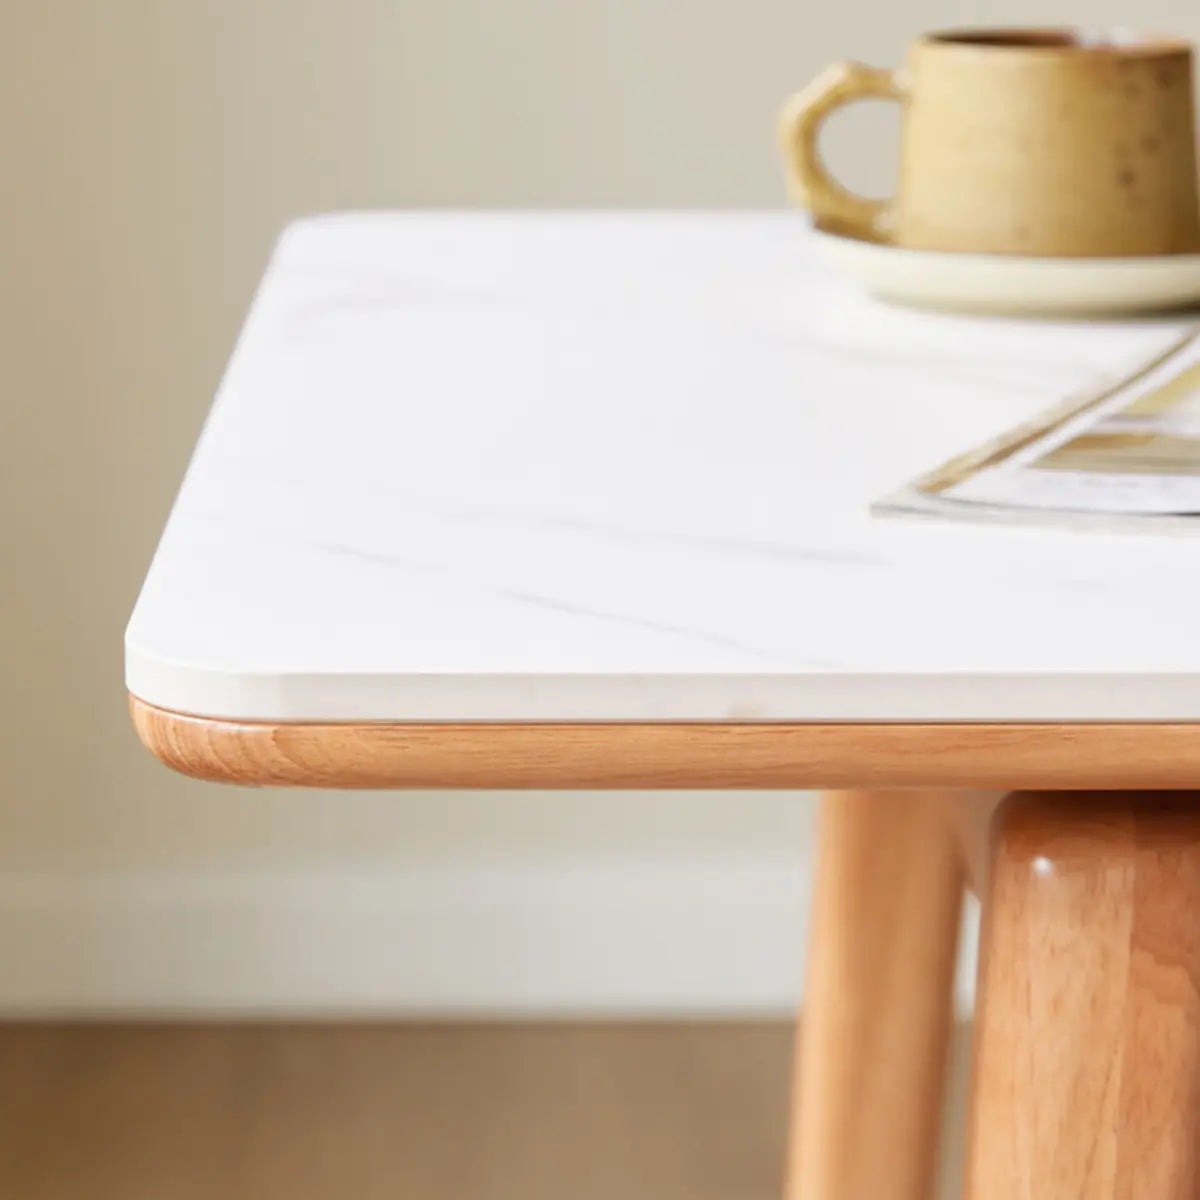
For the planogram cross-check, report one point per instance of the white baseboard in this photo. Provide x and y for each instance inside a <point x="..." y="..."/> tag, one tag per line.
<point x="564" y="938"/>
<point x="561" y="938"/>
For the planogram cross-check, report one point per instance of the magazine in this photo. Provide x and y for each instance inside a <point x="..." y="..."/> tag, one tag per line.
<point x="1127" y="458"/>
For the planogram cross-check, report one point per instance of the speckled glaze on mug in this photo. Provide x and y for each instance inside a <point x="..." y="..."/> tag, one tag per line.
<point x="1032" y="142"/>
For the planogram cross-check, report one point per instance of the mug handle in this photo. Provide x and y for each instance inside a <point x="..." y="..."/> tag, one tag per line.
<point x="809" y="183"/>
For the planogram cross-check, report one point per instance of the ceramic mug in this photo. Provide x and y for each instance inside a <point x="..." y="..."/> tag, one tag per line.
<point x="1023" y="141"/>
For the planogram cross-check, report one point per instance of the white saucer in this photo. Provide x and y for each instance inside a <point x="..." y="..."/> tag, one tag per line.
<point x="1005" y="283"/>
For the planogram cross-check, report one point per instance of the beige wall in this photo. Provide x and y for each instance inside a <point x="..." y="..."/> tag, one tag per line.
<point x="151" y="150"/>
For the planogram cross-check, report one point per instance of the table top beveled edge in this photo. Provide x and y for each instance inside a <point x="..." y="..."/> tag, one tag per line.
<point x="674" y="755"/>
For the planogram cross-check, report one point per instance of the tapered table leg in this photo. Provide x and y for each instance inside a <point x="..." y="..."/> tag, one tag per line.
<point x="878" y="999"/>
<point x="1087" y="1062"/>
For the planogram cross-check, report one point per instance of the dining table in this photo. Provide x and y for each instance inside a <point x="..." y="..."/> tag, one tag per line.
<point x="583" y="500"/>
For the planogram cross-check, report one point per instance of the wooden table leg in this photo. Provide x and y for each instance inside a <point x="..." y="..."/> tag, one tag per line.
<point x="1087" y="1060"/>
<point x="878" y="999"/>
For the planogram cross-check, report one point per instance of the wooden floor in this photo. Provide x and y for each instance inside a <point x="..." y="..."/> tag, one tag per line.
<point x="460" y="1112"/>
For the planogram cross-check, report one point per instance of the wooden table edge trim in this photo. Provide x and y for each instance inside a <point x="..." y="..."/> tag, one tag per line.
<point x="745" y="754"/>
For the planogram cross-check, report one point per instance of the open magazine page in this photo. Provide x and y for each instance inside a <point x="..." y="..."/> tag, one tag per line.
<point x="1129" y="457"/>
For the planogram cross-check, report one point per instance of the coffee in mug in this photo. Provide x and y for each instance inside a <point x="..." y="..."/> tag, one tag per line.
<point x="1033" y="142"/>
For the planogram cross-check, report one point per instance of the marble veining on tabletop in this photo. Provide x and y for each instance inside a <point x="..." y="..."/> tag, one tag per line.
<point x="605" y="466"/>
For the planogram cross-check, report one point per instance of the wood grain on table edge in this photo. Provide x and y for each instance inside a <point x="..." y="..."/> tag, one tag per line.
<point x="672" y="755"/>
